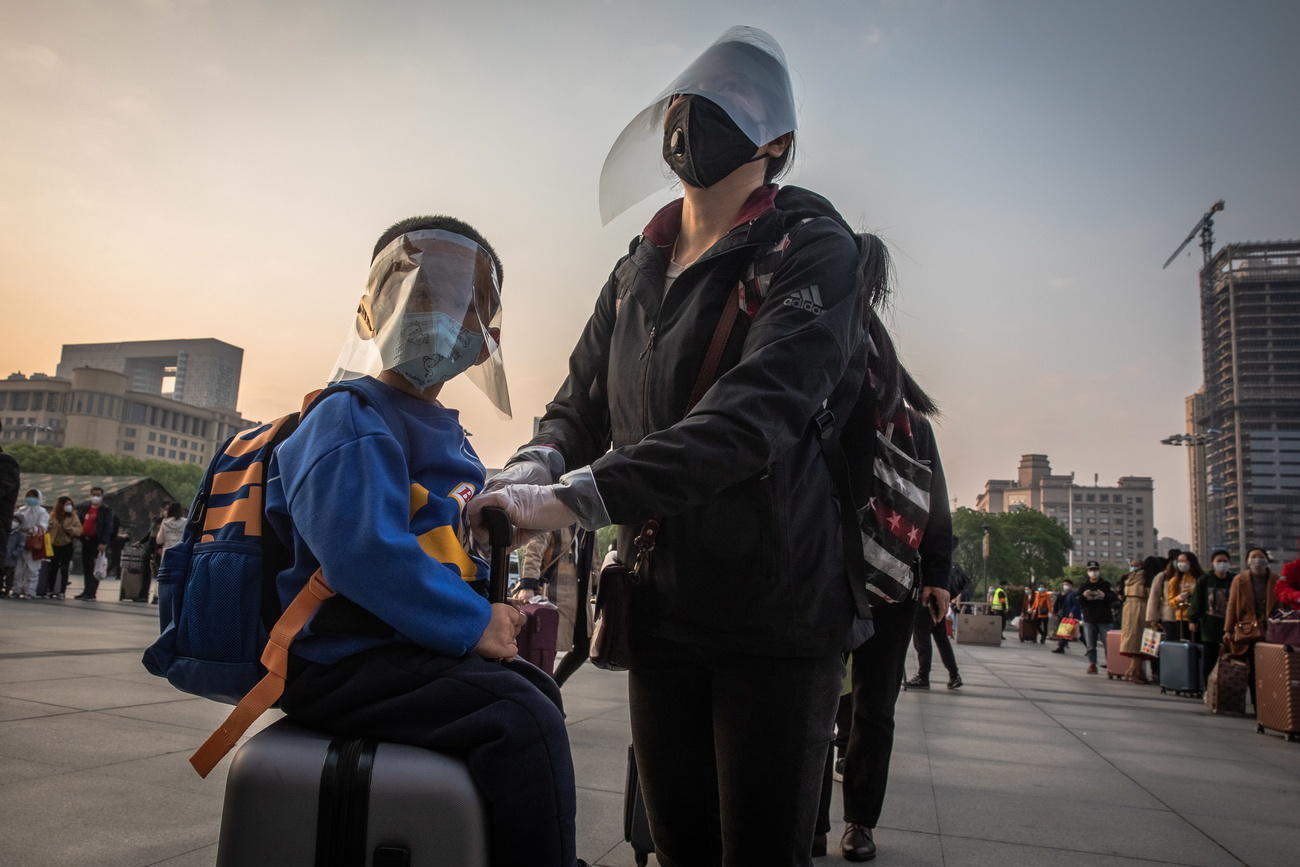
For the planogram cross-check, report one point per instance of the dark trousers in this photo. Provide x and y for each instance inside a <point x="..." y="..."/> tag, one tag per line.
<point x="926" y="630"/>
<point x="730" y="754"/>
<point x="1209" y="656"/>
<point x="60" y="563"/>
<point x="1003" y="615"/>
<point x="504" y="720"/>
<point x="877" y="676"/>
<point x="89" y="551"/>
<point x="1040" y="624"/>
<point x="1174" y="630"/>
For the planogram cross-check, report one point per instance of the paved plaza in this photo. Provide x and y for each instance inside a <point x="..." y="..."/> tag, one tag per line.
<point x="1032" y="763"/>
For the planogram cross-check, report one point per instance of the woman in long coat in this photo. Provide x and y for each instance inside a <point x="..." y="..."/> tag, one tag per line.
<point x="1136" y="588"/>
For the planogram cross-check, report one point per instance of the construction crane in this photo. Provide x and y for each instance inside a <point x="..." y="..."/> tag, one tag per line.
<point x="1206" y="229"/>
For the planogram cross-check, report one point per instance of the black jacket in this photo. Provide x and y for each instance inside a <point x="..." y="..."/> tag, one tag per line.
<point x="750" y="557"/>
<point x="936" y="545"/>
<point x="9" y="484"/>
<point x="1096" y="610"/>
<point x="105" y="525"/>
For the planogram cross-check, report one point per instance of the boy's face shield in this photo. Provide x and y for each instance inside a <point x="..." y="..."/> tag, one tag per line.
<point x="744" y="72"/>
<point x="432" y="305"/>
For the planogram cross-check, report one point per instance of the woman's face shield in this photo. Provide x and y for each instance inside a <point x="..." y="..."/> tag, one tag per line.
<point x="432" y="306"/>
<point x="744" y="72"/>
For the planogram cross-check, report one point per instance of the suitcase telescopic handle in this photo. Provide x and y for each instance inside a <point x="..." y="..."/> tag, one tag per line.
<point x="500" y="535"/>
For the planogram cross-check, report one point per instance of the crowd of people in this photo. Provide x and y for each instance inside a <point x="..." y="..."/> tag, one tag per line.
<point x="1173" y="596"/>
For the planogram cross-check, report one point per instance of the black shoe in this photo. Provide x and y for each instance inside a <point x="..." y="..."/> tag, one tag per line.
<point x="857" y="844"/>
<point x="1059" y="650"/>
<point x="80" y="596"/>
<point x="819" y="846"/>
<point x="954" y="682"/>
<point x="917" y="682"/>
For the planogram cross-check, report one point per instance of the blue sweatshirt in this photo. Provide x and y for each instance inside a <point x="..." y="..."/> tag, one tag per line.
<point x="374" y="493"/>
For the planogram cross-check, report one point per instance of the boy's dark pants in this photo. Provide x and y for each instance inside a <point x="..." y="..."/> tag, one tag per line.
<point x="89" y="551"/>
<point x="877" y="676"/>
<point x="730" y="754"/>
<point x="504" y="720"/>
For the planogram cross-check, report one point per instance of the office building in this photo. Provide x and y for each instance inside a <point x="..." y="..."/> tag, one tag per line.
<point x="197" y="372"/>
<point x="1107" y="524"/>
<point x="1244" y="422"/>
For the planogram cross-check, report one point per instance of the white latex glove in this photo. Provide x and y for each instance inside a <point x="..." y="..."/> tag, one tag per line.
<point x="533" y="509"/>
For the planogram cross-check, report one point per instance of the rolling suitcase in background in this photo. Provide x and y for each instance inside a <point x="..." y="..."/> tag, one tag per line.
<point x="537" y="639"/>
<point x="1028" y="629"/>
<point x="1277" y="689"/>
<point x="132" y="573"/>
<point x="1116" y="663"/>
<point x="1181" y="669"/>
<point x="636" y="825"/>
<point x="298" y="798"/>
<point x="1225" y="688"/>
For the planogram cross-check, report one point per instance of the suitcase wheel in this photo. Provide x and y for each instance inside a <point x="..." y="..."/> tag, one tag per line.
<point x="1259" y="729"/>
<point x="1162" y="690"/>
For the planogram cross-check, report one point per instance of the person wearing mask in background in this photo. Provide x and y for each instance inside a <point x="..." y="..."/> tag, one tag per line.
<point x="999" y="605"/>
<point x="1134" y="589"/>
<point x="927" y="630"/>
<point x="33" y="521"/>
<point x="1179" y="588"/>
<point x="1066" y="604"/>
<point x="97" y="528"/>
<point x="170" y="530"/>
<point x="1095" y="598"/>
<point x="1210" y="607"/>
<point x="65" y="529"/>
<point x="1160" y="612"/>
<point x="9" y="483"/>
<point x="1250" y="599"/>
<point x="1040" y="611"/>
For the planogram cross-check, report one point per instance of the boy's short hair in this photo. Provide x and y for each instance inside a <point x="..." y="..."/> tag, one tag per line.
<point x="438" y="221"/>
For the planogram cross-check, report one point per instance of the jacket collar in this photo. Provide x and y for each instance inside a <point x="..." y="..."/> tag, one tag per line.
<point x="665" y="226"/>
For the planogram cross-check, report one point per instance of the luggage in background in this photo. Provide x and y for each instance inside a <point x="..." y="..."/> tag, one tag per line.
<point x="538" y="637"/>
<point x="1028" y="629"/>
<point x="132" y="575"/>
<point x="1116" y="663"/>
<point x="1277" y="689"/>
<point x="297" y="798"/>
<point x="636" y="826"/>
<point x="1181" y="669"/>
<point x="1225" y="688"/>
<point x="976" y="626"/>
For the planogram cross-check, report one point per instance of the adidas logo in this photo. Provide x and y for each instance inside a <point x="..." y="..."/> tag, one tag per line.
<point x="809" y="298"/>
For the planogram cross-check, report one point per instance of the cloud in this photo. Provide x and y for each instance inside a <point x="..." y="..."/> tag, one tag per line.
<point x="33" y="61"/>
<point x="874" y="36"/>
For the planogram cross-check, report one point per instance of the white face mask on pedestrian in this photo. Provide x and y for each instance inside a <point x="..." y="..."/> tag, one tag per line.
<point x="1258" y="565"/>
<point x="1094" y="573"/>
<point x="1221" y="567"/>
<point x="1183" y="566"/>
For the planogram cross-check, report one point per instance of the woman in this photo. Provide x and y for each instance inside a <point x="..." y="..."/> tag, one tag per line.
<point x="1160" y="613"/>
<point x="65" y="529"/>
<point x="1135" y="589"/>
<point x="1210" y="606"/>
<point x="1178" y="594"/>
<point x="33" y="521"/>
<point x="745" y="606"/>
<point x="1249" y="600"/>
<point x="170" y="530"/>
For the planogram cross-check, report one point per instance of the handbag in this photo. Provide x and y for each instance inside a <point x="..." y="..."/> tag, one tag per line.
<point x="101" y="567"/>
<point x="35" y="546"/>
<point x="612" y="643"/>
<point x="1284" y="627"/>
<point x="1246" y="631"/>
<point x="1151" y="639"/>
<point x="1068" y="629"/>
<point x="49" y="544"/>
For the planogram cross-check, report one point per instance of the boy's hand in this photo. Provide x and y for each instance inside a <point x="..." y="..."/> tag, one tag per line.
<point x="498" y="640"/>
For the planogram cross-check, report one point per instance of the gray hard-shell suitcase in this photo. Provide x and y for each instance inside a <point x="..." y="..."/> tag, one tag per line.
<point x="1181" y="669"/>
<point x="298" y="798"/>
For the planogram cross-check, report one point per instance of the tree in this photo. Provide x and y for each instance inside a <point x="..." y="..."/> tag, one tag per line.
<point x="1024" y="547"/>
<point x="1040" y="541"/>
<point x="180" y="480"/>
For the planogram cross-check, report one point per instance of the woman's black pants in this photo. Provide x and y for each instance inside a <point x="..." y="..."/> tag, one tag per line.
<point x="730" y="755"/>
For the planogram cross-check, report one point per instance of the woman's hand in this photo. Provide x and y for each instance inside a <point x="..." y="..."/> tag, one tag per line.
<point x="499" y="638"/>
<point x="530" y="507"/>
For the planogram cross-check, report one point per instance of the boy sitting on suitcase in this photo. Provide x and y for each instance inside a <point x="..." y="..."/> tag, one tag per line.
<point x="372" y="488"/>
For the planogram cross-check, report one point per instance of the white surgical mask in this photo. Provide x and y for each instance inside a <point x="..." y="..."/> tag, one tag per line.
<point x="1221" y="568"/>
<point x="1133" y="568"/>
<point x="1094" y="573"/>
<point x="1259" y="564"/>
<point x="67" y="508"/>
<point x="1184" y="567"/>
<point x="96" y="500"/>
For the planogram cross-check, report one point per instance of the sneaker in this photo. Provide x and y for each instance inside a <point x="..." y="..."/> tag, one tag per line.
<point x="954" y="682"/>
<point x="838" y="771"/>
<point x="1092" y="668"/>
<point x="1059" y="650"/>
<point x="917" y="682"/>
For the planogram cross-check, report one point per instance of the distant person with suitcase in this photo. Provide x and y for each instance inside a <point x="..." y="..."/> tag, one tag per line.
<point x="33" y="521"/>
<point x="1134" y="590"/>
<point x="371" y="489"/>
<point x="1250" y="599"/>
<point x="65" y="529"/>
<point x="1095" y="599"/>
<point x="1040" y="611"/>
<point x="1209" y="607"/>
<point x="98" y="526"/>
<point x="1066" y="604"/>
<point x="1179" y="588"/>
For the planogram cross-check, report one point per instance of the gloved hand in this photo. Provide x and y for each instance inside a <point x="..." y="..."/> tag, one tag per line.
<point x="533" y="509"/>
<point x="521" y="473"/>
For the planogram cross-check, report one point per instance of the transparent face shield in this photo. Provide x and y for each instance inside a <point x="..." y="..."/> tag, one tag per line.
<point x="431" y="311"/>
<point x="744" y="72"/>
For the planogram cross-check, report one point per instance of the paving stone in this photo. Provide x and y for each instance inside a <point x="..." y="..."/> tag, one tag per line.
<point x="1263" y="843"/>
<point x="90" y="693"/>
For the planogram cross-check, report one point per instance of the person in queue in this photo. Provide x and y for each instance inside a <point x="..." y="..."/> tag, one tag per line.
<point x="746" y="606"/>
<point x="1249" y="600"/>
<point x="1095" y="598"/>
<point x="1161" y="613"/>
<point x="1178" y="592"/>
<point x="1134" y="589"/>
<point x="1210" y="607"/>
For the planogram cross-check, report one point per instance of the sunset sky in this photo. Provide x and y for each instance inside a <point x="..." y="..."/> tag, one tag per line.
<point x="222" y="169"/>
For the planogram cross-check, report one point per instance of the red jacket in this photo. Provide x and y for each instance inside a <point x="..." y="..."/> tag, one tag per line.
<point x="1288" y="586"/>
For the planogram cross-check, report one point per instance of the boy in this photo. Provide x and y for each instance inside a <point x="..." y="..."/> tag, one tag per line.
<point x="372" y="489"/>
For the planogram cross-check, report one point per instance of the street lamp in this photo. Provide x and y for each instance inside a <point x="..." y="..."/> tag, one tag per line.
<point x="1212" y="488"/>
<point x="34" y="427"/>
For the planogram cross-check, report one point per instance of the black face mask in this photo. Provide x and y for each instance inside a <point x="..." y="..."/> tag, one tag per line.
<point x="702" y="145"/>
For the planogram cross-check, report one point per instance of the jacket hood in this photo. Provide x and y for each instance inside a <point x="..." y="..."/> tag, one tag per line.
<point x="804" y="204"/>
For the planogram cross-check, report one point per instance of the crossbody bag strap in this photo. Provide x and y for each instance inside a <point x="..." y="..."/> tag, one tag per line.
<point x="717" y="346"/>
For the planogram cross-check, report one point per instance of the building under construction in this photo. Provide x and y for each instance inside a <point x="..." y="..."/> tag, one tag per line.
<point x="1245" y="419"/>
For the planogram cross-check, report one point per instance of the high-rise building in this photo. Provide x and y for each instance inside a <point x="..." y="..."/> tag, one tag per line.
<point x="1245" y="419"/>
<point x="1108" y="524"/>
<point x="198" y="372"/>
